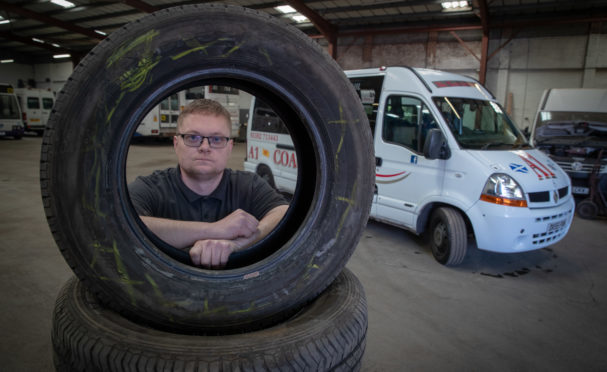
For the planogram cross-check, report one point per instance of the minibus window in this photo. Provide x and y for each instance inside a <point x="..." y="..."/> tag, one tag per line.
<point x="33" y="103"/>
<point x="369" y="91"/>
<point x="47" y="103"/>
<point x="406" y="122"/>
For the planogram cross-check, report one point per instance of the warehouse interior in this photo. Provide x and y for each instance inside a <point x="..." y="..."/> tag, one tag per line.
<point x="538" y="310"/>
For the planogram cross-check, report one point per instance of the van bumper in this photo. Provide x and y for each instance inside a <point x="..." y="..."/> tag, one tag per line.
<point x="513" y="229"/>
<point x="16" y="131"/>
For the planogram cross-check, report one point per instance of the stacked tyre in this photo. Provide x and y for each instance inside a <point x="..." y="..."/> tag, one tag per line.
<point x="137" y="304"/>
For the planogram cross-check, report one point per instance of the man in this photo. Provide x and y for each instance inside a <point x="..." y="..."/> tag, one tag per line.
<point x="201" y="205"/>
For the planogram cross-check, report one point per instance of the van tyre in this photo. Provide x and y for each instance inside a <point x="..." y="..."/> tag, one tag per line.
<point x="587" y="209"/>
<point x="327" y="335"/>
<point x="265" y="172"/>
<point x="448" y="236"/>
<point x="86" y="144"/>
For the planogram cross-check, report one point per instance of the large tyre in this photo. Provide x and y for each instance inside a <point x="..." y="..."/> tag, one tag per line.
<point x="327" y="335"/>
<point x="587" y="209"/>
<point x="86" y="143"/>
<point x="448" y="236"/>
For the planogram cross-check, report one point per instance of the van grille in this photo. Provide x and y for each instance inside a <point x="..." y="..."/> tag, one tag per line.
<point x="556" y="227"/>
<point x="544" y="196"/>
<point x="585" y="166"/>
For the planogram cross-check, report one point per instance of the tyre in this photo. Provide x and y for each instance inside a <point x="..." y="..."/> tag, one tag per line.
<point x="266" y="173"/>
<point x="587" y="209"/>
<point x="86" y="144"/>
<point x="448" y="236"/>
<point x="327" y="335"/>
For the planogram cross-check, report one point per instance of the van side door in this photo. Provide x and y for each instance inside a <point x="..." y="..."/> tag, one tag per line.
<point x="404" y="177"/>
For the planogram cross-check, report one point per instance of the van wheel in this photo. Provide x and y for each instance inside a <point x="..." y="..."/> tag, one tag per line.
<point x="85" y="147"/>
<point x="327" y="335"/>
<point x="587" y="209"/>
<point x="448" y="236"/>
<point x="266" y="173"/>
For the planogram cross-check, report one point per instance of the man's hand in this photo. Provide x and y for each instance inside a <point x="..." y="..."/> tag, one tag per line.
<point x="238" y="224"/>
<point x="211" y="254"/>
<point x="214" y="253"/>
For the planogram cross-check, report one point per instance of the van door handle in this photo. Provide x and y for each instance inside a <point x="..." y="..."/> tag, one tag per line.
<point x="378" y="162"/>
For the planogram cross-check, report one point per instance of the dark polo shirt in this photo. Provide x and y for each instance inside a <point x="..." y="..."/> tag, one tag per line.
<point x="163" y="194"/>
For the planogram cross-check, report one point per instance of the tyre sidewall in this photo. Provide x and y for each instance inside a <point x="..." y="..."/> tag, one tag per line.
<point x="88" y="206"/>
<point x="328" y="334"/>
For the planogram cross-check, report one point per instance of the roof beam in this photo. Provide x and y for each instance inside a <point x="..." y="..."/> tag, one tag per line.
<point x="328" y="30"/>
<point x="29" y="41"/>
<point x="49" y="20"/>
<point x="140" y="5"/>
<point x="484" y="14"/>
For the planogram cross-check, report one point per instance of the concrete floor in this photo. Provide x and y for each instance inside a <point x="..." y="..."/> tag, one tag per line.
<point x="536" y="311"/>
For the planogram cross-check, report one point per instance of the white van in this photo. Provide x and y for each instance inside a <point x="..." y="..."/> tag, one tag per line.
<point x="161" y="121"/>
<point x="571" y="127"/>
<point x="11" y="123"/>
<point x="270" y="150"/>
<point x="36" y="106"/>
<point x="449" y="161"/>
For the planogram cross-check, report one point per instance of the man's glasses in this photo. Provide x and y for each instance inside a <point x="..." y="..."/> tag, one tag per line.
<point x="195" y="140"/>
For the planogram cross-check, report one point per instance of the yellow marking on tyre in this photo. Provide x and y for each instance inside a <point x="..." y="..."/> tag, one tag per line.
<point x="197" y="48"/>
<point x="145" y="38"/>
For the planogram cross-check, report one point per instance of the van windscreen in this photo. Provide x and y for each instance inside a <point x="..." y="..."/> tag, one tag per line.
<point x="9" y="108"/>
<point x="478" y="124"/>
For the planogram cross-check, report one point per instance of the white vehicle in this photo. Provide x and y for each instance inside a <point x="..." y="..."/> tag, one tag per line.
<point x="571" y="127"/>
<point x="449" y="161"/>
<point x="36" y="105"/>
<point x="11" y="122"/>
<point x="229" y="98"/>
<point x="161" y="121"/>
<point x="270" y="150"/>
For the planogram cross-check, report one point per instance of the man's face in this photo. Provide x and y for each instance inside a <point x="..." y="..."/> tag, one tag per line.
<point x="202" y="162"/>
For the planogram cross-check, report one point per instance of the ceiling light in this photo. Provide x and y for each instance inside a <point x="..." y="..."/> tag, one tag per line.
<point x="7" y="61"/>
<point x="4" y="21"/>
<point x="59" y="56"/>
<point x="455" y="6"/>
<point x="64" y="3"/>
<point x="56" y="45"/>
<point x="38" y="40"/>
<point x="101" y="32"/>
<point x="286" y="9"/>
<point x="299" y="18"/>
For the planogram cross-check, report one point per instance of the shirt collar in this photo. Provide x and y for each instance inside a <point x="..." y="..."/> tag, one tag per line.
<point x="192" y="196"/>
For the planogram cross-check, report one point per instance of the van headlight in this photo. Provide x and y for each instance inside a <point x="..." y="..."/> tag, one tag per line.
<point x="503" y="190"/>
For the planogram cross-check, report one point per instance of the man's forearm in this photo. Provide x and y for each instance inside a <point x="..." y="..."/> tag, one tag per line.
<point x="183" y="234"/>
<point x="179" y="234"/>
<point x="269" y="221"/>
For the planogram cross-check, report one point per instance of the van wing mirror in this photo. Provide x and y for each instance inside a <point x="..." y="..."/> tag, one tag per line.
<point x="435" y="146"/>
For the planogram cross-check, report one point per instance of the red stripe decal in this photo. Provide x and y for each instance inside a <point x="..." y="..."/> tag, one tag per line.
<point x="552" y="175"/>
<point x="540" y="169"/>
<point x="389" y="175"/>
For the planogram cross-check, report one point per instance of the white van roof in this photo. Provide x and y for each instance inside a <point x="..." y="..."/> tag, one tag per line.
<point x="575" y="100"/>
<point x="433" y="82"/>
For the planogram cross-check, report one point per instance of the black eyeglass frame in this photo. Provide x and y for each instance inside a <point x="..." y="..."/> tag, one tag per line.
<point x="212" y="144"/>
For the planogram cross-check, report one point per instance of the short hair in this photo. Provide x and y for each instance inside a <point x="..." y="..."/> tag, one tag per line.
<point x="208" y="107"/>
